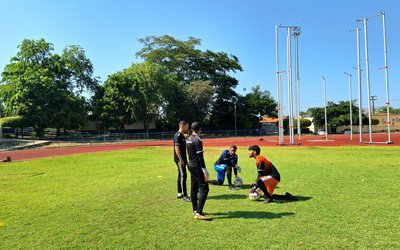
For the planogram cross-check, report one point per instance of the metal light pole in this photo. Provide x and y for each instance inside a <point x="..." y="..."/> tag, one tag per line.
<point x="290" y="84"/>
<point x="235" y="120"/>
<point x="386" y="76"/>
<point x="360" y="122"/>
<point x="368" y="80"/>
<point x="351" y="107"/>
<point x="326" y="118"/>
<point x="296" y="37"/>
<point x="279" y="90"/>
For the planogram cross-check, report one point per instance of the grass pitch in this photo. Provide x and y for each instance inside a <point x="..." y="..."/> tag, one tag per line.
<point x="349" y="198"/>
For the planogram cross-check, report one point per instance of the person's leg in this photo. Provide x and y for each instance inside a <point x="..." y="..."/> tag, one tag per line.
<point x="183" y="181"/>
<point x="267" y="184"/>
<point x="229" y="175"/>
<point x="204" y="189"/>
<point x="194" y="187"/>
<point x="179" y="182"/>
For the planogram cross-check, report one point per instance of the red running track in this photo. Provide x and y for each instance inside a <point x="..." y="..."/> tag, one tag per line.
<point x="271" y="141"/>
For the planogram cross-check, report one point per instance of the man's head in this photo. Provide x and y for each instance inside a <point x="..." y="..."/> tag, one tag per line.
<point x="196" y="127"/>
<point x="232" y="150"/>
<point x="254" y="151"/>
<point x="183" y="126"/>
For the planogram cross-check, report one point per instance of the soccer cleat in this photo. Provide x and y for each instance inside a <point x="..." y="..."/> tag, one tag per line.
<point x="198" y="216"/>
<point x="187" y="199"/>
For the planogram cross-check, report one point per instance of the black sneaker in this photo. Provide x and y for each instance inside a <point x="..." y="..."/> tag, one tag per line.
<point x="187" y="199"/>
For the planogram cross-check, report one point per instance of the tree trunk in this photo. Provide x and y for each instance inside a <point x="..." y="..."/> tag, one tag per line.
<point x="58" y="132"/>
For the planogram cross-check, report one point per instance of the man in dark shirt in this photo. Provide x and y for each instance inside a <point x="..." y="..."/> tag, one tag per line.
<point x="181" y="159"/>
<point x="198" y="172"/>
<point x="225" y="163"/>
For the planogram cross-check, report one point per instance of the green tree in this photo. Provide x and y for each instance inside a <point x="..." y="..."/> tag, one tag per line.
<point x="338" y="114"/>
<point x="135" y="94"/>
<point x="253" y="105"/>
<point x="193" y="66"/>
<point x="41" y="87"/>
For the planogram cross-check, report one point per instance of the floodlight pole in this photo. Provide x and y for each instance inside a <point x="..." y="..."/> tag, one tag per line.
<point x="351" y="107"/>
<point x="360" y="122"/>
<point x="386" y="76"/>
<point x="326" y="118"/>
<point x="368" y="80"/>
<point x="296" y="37"/>
<point x="279" y="90"/>
<point x="290" y="84"/>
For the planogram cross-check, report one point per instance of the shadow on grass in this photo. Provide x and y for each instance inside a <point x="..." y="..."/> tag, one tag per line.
<point x="227" y="197"/>
<point x="249" y="215"/>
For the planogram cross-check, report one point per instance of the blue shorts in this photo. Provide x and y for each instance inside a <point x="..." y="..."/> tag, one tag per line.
<point x="220" y="169"/>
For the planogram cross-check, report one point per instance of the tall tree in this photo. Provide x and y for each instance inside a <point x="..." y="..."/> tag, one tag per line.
<point x="193" y="66"/>
<point x="253" y="105"/>
<point x="135" y="94"/>
<point x="41" y="87"/>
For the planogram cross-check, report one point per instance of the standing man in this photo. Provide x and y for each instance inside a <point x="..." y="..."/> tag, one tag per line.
<point x="225" y="163"/>
<point x="268" y="176"/>
<point x="198" y="172"/>
<point x="181" y="159"/>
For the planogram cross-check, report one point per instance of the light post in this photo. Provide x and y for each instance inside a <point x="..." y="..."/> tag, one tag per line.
<point x="296" y="37"/>
<point x="326" y="118"/>
<point x="235" y="119"/>
<point x="351" y="107"/>
<point x="360" y="122"/>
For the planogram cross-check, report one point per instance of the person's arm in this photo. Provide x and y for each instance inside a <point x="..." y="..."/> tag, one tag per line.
<point x="178" y="153"/>
<point x="177" y="143"/>
<point x="200" y="155"/>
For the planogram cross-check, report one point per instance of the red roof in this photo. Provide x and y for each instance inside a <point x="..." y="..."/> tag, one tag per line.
<point x="266" y="119"/>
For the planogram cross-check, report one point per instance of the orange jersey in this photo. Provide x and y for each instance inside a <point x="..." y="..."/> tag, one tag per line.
<point x="265" y="167"/>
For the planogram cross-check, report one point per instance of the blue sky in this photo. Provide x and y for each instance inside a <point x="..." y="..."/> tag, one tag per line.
<point x="108" y="32"/>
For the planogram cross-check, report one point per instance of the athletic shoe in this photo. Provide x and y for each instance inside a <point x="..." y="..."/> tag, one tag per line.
<point x="179" y="196"/>
<point x="290" y="197"/>
<point x="198" y="216"/>
<point x="187" y="199"/>
<point x="268" y="201"/>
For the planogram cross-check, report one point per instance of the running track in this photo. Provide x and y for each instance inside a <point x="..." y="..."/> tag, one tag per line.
<point x="271" y="141"/>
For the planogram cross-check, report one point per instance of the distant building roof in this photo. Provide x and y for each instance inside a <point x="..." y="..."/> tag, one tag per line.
<point x="266" y="119"/>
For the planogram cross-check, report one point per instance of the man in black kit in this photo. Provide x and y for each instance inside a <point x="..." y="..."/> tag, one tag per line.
<point x="198" y="172"/>
<point x="181" y="160"/>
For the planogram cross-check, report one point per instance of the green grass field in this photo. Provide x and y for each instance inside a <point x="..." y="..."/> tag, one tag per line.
<point x="349" y="198"/>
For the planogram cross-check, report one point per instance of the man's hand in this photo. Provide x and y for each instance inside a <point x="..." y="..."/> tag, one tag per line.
<point x="238" y="168"/>
<point x="181" y="163"/>
<point x="206" y="174"/>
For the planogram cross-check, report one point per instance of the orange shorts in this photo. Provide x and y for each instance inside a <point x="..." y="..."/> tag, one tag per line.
<point x="270" y="183"/>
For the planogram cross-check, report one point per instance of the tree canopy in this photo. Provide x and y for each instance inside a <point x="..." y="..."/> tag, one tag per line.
<point x="44" y="88"/>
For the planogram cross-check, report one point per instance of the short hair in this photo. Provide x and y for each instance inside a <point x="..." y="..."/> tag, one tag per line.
<point x="196" y="126"/>
<point x="182" y="123"/>
<point x="234" y="147"/>
<point x="255" y="148"/>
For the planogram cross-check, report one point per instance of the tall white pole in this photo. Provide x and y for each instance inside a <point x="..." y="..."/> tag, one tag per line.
<point x="360" y="122"/>
<point x="368" y="81"/>
<point x="297" y="85"/>
<point x="326" y="118"/>
<point x="386" y="77"/>
<point x="351" y="107"/>
<point x="290" y="85"/>
<point x="279" y="87"/>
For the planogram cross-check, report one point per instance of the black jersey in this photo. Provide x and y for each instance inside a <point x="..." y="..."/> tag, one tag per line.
<point x="195" y="151"/>
<point x="180" y="141"/>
